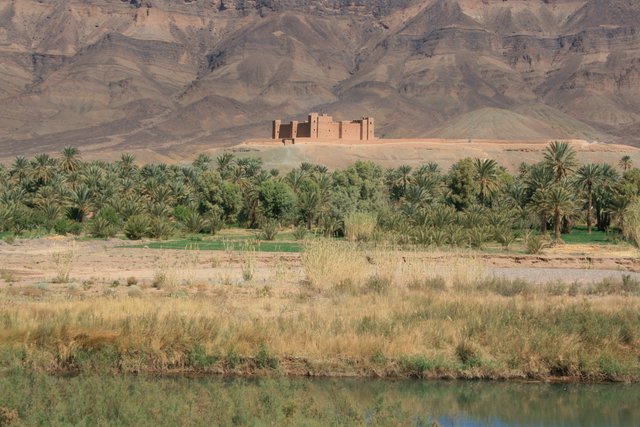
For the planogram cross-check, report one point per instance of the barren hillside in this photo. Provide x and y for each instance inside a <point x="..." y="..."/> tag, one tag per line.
<point x="172" y="77"/>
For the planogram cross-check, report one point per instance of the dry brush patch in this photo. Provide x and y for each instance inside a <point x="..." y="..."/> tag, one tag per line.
<point x="441" y="325"/>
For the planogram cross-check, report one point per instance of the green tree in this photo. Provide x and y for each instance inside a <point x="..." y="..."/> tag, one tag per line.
<point x="539" y="179"/>
<point x="560" y="201"/>
<point x="70" y="160"/>
<point x="308" y="202"/>
<point x="587" y="178"/>
<point x="462" y="184"/>
<point x="277" y="200"/>
<point x="625" y="163"/>
<point x="213" y="191"/>
<point x="488" y="179"/>
<point x="561" y="158"/>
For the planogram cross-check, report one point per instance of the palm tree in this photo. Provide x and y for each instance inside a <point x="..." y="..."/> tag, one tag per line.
<point x="625" y="163"/>
<point x="417" y="197"/>
<point x="486" y="173"/>
<point x="587" y="177"/>
<point x="561" y="158"/>
<point x="404" y="177"/>
<point x="20" y="169"/>
<point x="42" y="168"/>
<point x="70" y="160"/>
<point x="308" y="202"/>
<point x="80" y="202"/>
<point x="539" y="178"/>
<point x="202" y="162"/>
<point x="225" y="162"/>
<point x="604" y="195"/>
<point x="126" y="165"/>
<point x="561" y="202"/>
<point x="523" y="169"/>
<point x="324" y="183"/>
<point x="294" y="179"/>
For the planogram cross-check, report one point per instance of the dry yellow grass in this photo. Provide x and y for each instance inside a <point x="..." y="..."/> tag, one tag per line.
<point x="398" y="315"/>
<point x="353" y="310"/>
<point x="341" y="334"/>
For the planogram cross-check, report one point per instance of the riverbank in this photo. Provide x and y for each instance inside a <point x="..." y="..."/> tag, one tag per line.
<point x="335" y="310"/>
<point x="495" y="329"/>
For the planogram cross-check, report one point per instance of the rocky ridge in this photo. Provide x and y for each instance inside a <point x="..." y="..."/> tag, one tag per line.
<point x="174" y="77"/>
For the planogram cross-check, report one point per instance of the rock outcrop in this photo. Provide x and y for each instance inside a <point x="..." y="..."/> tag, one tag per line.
<point x="176" y="76"/>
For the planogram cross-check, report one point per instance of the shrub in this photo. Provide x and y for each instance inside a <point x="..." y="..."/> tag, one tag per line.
<point x="248" y="264"/>
<point x="456" y="235"/>
<point x="505" y="287"/>
<point x="378" y="357"/>
<point x="437" y="283"/>
<point x="193" y="222"/>
<point x="8" y="416"/>
<point x="101" y="228"/>
<point x="416" y="366"/>
<point x="132" y="280"/>
<point x="630" y="284"/>
<point x="134" y="292"/>
<point x="213" y="222"/>
<point x="75" y="228"/>
<point x="299" y="233"/>
<point x="631" y="226"/>
<point x="329" y="264"/>
<point x="265" y="360"/>
<point x="534" y="244"/>
<point x="505" y="236"/>
<point x="7" y="214"/>
<point x="63" y="262"/>
<point x="137" y="227"/>
<point x="359" y="226"/>
<point x="478" y="236"/>
<point x="160" y="228"/>
<point x="269" y="230"/>
<point x="198" y="357"/>
<point x="110" y="215"/>
<point x="439" y="237"/>
<point x="62" y="226"/>
<point x="467" y="354"/>
<point x="378" y="284"/>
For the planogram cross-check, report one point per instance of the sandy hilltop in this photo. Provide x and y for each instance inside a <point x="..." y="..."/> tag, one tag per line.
<point x="166" y="79"/>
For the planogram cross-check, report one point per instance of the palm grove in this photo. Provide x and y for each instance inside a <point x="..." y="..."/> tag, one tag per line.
<point x="476" y="201"/>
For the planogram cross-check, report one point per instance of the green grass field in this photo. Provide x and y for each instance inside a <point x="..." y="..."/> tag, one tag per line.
<point x="579" y="235"/>
<point x="225" y="245"/>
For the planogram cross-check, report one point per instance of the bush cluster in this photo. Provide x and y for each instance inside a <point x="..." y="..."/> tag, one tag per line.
<point x="476" y="201"/>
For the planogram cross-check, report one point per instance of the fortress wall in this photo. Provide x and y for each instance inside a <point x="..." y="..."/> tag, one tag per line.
<point x="304" y="130"/>
<point x="323" y="127"/>
<point x="350" y="130"/>
<point x="329" y="130"/>
<point x="285" y="131"/>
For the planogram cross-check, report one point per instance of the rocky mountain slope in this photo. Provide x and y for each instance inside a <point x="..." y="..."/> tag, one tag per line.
<point x="175" y="76"/>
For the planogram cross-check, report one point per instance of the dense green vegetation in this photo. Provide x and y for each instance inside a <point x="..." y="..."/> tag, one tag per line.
<point x="476" y="201"/>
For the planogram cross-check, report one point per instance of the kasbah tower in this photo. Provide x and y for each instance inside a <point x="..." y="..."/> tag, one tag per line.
<point x="322" y="127"/>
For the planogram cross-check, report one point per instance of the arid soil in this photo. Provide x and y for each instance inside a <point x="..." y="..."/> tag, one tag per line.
<point x="381" y="314"/>
<point x="32" y="262"/>
<point x="413" y="152"/>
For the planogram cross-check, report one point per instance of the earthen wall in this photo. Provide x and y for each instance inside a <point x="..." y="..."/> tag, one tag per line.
<point x="323" y="127"/>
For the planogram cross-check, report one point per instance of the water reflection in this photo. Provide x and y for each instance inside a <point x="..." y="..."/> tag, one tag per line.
<point x="41" y="399"/>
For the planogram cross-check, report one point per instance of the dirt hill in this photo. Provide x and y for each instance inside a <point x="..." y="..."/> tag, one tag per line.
<point x="175" y="77"/>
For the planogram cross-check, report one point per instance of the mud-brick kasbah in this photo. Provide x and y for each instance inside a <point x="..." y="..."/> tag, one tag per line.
<point x="322" y="127"/>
